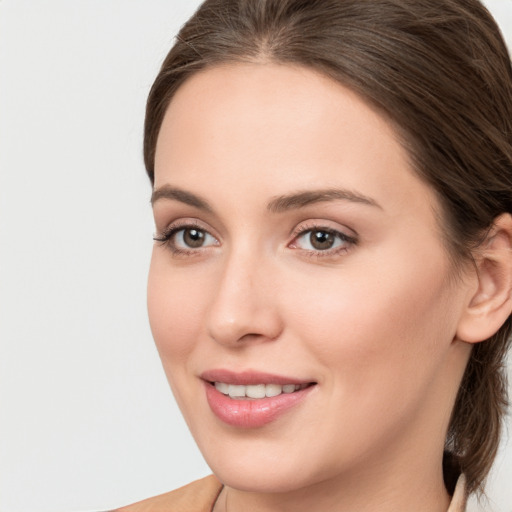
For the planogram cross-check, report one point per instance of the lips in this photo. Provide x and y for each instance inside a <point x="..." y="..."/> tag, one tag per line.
<point x="252" y="399"/>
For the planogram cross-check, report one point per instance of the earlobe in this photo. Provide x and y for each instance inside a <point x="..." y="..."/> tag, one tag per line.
<point x="491" y="304"/>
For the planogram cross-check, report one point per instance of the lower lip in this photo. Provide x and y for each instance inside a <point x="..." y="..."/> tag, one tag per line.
<point x="252" y="413"/>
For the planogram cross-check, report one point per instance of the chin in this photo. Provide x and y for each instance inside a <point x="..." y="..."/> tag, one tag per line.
<point x="264" y="462"/>
<point x="246" y="476"/>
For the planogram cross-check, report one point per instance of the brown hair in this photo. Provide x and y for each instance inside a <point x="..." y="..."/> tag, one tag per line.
<point x="440" y="71"/>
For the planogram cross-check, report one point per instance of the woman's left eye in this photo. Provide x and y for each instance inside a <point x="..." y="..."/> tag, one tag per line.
<point x="193" y="238"/>
<point x="322" y="240"/>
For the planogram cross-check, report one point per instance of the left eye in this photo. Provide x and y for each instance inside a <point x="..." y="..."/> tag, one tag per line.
<point x="192" y="238"/>
<point x="321" y="240"/>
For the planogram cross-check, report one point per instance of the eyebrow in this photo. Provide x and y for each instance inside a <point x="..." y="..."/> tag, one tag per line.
<point x="303" y="199"/>
<point x="278" y="204"/>
<point x="177" y="194"/>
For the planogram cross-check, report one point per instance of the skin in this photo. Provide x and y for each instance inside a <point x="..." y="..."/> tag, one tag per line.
<point x="373" y="321"/>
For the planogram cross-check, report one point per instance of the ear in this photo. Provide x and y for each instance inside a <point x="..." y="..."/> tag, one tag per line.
<point x="491" y="304"/>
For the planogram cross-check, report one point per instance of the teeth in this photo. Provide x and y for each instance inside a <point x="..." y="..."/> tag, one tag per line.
<point x="256" y="390"/>
<point x="273" y="389"/>
<point x="222" y="387"/>
<point x="235" y="391"/>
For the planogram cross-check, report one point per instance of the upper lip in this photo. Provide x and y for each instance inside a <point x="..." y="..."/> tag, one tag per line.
<point x="249" y="377"/>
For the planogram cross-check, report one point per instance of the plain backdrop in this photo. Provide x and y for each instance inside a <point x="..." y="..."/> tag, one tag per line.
<point x="86" y="418"/>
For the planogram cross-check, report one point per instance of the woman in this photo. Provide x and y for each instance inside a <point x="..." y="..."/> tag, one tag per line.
<point x="330" y="287"/>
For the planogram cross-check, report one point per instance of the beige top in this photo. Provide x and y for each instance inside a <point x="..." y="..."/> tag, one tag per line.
<point x="459" y="500"/>
<point x="200" y="496"/>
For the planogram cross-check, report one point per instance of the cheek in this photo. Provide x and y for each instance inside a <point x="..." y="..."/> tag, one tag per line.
<point x="175" y="308"/>
<point x="379" y="338"/>
<point x="378" y="322"/>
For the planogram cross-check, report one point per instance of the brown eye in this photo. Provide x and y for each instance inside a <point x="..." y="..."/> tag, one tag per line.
<point x="321" y="240"/>
<point x="326" y="240"/>
<point x="193" y="237"/>
<point x="183" y="239"/>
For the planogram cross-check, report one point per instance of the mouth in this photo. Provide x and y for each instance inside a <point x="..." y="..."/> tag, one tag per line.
<point x="252" y="399"/>
<point x="257" y="391"/>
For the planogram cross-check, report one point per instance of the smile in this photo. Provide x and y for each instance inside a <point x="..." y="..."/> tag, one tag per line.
<point x="256" y="391"/>
<point x="253" y="399"/>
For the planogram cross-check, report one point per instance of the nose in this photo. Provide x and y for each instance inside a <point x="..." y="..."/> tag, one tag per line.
<point x="244" y="308"/>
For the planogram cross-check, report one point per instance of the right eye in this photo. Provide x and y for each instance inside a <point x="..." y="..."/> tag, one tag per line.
<point x="186" y="238"/>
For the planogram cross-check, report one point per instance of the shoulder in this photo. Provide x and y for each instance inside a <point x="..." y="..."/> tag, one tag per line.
<point x="197" y="496"/>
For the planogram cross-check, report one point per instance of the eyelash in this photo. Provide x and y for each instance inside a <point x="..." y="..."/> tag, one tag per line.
<point x="167" y="238"/>
<point x="348" y="241"/>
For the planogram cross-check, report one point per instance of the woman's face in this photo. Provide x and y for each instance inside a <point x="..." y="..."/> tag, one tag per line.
<point x="302" y="262"/>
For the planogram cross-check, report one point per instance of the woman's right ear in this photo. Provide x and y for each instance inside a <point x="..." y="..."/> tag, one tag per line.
<point x="490" y="304"/>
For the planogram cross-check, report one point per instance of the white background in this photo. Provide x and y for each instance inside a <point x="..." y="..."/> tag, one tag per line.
<point x="86" y="418"/>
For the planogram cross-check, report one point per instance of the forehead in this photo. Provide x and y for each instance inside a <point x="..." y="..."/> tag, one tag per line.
<point x="268" y="94"/>
<point x="284" y="127"/>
